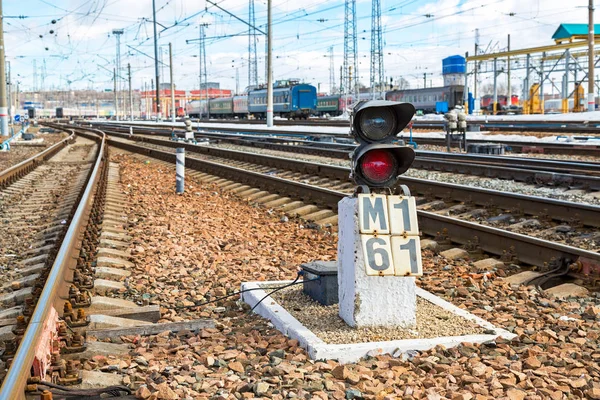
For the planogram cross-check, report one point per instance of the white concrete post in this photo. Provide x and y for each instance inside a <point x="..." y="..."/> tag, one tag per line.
<point x="385" y="300"/>
<point x="180" y="170"/>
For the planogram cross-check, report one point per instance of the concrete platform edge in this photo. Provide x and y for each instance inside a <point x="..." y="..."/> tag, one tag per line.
<point x="353" y="352"/>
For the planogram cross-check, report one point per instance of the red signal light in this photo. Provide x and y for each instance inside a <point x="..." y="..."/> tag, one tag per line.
<point x="378" y="166"/>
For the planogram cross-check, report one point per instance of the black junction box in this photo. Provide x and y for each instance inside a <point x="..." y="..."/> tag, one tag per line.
<point x="324" y="290"/>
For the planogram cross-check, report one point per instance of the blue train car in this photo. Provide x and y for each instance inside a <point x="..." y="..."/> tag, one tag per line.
<point x="290" y="100"/>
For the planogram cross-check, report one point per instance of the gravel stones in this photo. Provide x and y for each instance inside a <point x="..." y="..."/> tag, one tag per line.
<point x="324" y="321"/>
<point x="207" y="240"/>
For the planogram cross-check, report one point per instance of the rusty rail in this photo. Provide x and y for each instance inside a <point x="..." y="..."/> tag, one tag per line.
<point x="56" y="288"/>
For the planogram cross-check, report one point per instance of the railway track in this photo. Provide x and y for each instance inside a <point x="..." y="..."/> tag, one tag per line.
<point x="498" y="223"/>
<point x="45" y="207"/>
<point x="553" y="126"/>
<point x="558" y="148"/>
<point x="581" y="175"/>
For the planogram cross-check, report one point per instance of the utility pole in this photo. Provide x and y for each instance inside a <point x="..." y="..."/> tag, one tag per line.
<point x="203" y="73"/>
<point x="130" y="92"/>
<point x="3" y="108"/>
<point x="252" y="58"/>
<point x="9" y="87"/>
<point x="269" y="67"/>
<point x="591" y="100"/>
<point x="115" y="90"/>
<point x="331" y="72"/>
<point x="172" y="85"/>
<point x="35" y="76"/>
<point x="158" y="107"/>
<point x="376" y="49"/>
<point x="118" y="33"/>
<point x="509" y="95"/>
<point x="350" y="50"/>
<point x="237" y="81"/>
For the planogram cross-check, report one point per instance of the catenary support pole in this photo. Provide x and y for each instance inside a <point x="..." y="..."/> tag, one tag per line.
<point x="130" y="92"/>
<point x="3" y="107"/>
<point x="115" y="90"/>
<point x="180" y="170"/>
<point x="269" y="67"/>
<point x="591" y="101"/>
<point x="509" y="95"/>
<point x="156" y="72"/>
<point x="172" y="84"/>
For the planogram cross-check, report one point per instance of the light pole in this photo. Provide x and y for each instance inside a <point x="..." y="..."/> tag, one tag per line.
<point x="269" y="67"/>
<point x="158" y="108"/>
<point x="3" y="108"/>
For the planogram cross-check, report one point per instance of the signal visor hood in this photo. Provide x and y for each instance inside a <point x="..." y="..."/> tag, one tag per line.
<point x="403" y="113"/>
<point x="403" y="155"/>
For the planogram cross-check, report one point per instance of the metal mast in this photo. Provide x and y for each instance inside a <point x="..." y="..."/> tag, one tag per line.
<point x="376" y="49"/>
<point x="3" y="106"/>
<point x="350" y="50"/>
<point x="591" y="58"/>
<point x="118" y="33"/>
<point x="35" y="76"/>
<point x="331" y="72"/>
<point x="203" y="75"/>
<point x="252" y="57"/>
<point x="158" y="107"/>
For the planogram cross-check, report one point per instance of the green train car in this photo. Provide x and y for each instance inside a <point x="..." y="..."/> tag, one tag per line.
<point x="221" y="106"/>
<point x="328" y="105"/>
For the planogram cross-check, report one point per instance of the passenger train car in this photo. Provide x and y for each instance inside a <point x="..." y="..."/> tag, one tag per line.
<point x="425" y="100"/>
<point x="290" y="100"/>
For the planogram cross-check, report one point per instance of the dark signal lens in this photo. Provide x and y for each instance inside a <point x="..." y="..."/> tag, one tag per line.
<point x="377" y="123"/>
<point x="378" y="166"/>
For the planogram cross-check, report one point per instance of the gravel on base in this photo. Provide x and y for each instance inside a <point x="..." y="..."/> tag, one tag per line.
<point x="325" y="322"/>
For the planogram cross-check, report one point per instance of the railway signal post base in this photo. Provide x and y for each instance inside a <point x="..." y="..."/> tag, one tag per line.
<point x="376" y="263"/>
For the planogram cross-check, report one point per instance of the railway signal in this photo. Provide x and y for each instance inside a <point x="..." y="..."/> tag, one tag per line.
<point x="377" y="162"/>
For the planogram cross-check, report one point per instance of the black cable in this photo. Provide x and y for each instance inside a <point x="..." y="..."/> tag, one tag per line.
<point x="295" y="282"/>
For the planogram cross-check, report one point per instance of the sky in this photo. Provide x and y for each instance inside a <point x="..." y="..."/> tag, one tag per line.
<point x="71" y="44"/>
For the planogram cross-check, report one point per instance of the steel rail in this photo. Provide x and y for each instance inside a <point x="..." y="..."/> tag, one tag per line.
<point x="516" y="168"/>
<point x="545" y="147"/>
<point x="527" y="249"/>
<point x="11" y="174"/>
<point x="55" y="291"/>
<point x="336" y="172"/>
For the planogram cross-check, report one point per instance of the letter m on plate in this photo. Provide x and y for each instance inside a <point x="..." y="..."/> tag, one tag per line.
<point x="373" y="214"/>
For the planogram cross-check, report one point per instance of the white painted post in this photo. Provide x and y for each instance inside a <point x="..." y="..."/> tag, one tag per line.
<point x="180" y="170"/>
<point x="385" y="300"/>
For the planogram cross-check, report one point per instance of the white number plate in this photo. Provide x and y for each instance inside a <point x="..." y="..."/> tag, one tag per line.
<point x="389" y="235"/>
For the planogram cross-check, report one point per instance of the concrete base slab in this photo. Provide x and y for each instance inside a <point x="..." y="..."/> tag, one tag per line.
<point x="99" y="349"/>
<point x="349" y="353"/>
<point x="114" y="274"/>
<point x="567" y="290"/>
<point x="522" y="277"/>
<point x="96" y="379"/>
<point x="104" y="286"/>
